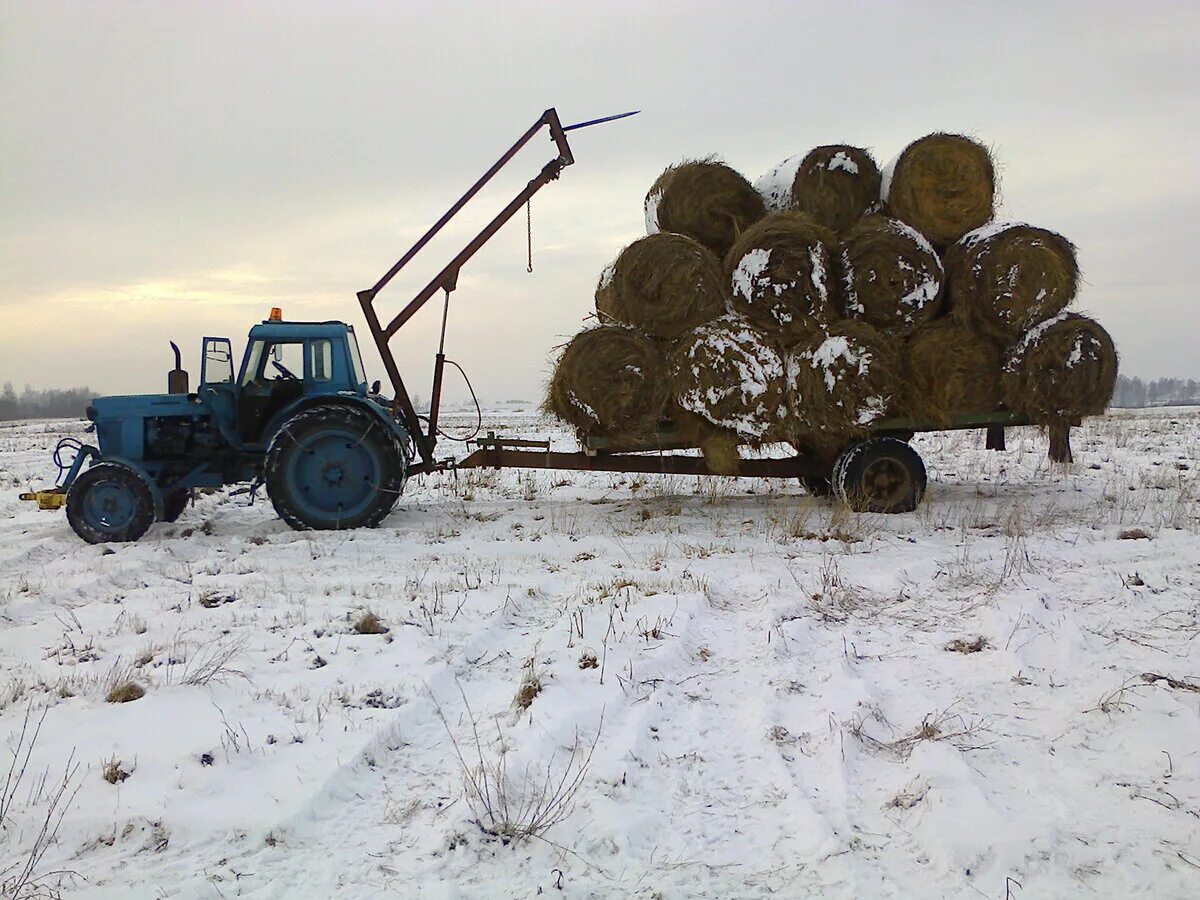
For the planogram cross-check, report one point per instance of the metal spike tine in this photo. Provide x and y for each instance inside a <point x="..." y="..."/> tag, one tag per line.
<point x="623" y="115"/>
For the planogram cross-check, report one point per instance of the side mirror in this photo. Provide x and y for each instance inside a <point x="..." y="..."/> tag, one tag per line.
<point x="375" y="387"/>
<point x="277" y="352"/>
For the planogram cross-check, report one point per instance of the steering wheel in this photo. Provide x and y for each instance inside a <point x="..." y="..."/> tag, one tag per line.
<point x="284" y="371"/>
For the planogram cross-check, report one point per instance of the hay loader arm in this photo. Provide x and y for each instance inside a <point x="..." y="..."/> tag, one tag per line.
<point x="447" y="279"/>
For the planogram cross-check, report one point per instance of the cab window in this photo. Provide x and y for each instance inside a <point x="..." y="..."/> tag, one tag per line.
<point x="273" y="361"/>
<point x="321" y="360"/>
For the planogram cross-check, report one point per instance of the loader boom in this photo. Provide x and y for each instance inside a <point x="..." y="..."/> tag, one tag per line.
<point x="447" y="279"/>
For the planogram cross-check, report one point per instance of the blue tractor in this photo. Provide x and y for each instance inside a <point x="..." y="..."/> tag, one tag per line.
<point x="296" y="416"/>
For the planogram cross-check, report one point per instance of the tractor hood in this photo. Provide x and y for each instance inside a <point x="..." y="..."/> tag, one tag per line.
<point x="121" y="421"/>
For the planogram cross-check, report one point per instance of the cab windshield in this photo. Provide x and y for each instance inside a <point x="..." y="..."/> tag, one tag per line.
<point x="360" y="374"/>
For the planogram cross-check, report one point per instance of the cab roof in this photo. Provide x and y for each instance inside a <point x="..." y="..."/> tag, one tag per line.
<point x="268" y="330"/>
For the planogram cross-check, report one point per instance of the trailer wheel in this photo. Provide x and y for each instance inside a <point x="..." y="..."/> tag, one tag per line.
<point x="109" y="502"/>
<point x="334" y="467"/>
<point x="174" y="503"/>
<point x="883" y="475"/>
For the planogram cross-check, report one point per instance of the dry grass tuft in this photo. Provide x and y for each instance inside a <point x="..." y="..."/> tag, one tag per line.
<point x="1134" y="534"/>
<point x="125" y="692"/>
<point x="369" y="623"/>
<point x="113" y="771"/>
<point x="962" y="645"/>
<point x="531" y="686"/>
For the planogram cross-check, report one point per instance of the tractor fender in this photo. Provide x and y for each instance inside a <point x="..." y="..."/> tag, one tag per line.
<point x="352" y="400"/>
<point x="155" y="491"/>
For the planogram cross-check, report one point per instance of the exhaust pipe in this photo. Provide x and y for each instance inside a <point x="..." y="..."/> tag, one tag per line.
<point x="177" y="378"/>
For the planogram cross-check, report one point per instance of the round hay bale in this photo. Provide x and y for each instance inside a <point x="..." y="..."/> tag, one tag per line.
<point x="835" y="185"/>
<point x="1006" y="277"/>
<point x="665" y="285"/>
<point x="782" y="278"/>
<point x="704" y="199"/>
<point x="943" y="185"/>
<point x="891" y="276"/>
<point x="843" y="380"/>
<point x="1061" y="370"/>
<point x="610" y="380"/>
<point x="730" y="375"/>
<point x="952" y="370"/>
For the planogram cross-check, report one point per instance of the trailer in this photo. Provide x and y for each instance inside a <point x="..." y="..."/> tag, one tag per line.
<point x="878" y="471"/>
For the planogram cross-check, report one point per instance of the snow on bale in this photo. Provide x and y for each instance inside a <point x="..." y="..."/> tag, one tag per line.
<point x="782" y="278"/>
<point x="841" y="381"/>
<point x="665" y="285"/>
<point x="610" y="380"/>
<point x="729" y="373"/>
<point x="835" y="185"/>
<point x="1061" y="370"/>
<point x="704" y="199"/>
<point x="1006" y="277"/>
<point x="891" y="276"/>
<point x="943" y="185"/>
<point x="952" y="370"/>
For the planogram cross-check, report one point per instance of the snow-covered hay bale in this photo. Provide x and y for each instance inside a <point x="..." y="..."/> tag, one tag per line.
<point x="1060" y="370"/>
<point x="835" y="185"/>
<point x="1004" y="278"/>
<point x="943" y="185"/>
<point x="844" y="380"/>
<point x="952" y="370"/>
<point x="730" y="374"/>
<point x="665" y="285"/>
<point x="782" y="277"/>
<point x="891" y="275"/>
<point x="610" y="380"/>
<point x="704" y="199"/>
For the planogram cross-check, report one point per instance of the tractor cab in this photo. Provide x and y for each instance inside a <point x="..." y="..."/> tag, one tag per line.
<point x="284" y="363"/>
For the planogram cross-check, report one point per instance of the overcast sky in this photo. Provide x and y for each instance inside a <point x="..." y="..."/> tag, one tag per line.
<point x="169" y="170"/>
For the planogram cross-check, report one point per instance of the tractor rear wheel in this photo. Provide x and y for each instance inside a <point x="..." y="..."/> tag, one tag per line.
<point x="109" y="502"/>
<point x="882" y="475"/>
<point x="334" y="467"/>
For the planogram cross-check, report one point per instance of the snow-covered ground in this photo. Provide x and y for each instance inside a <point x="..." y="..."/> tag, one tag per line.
<point x="755" y="694"/>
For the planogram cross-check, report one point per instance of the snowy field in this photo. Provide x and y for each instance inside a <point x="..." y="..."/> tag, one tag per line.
<point x="682" y="687"/>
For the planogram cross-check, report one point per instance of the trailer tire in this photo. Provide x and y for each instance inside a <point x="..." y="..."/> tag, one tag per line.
<point x="332" y="467"/>
<point x="881" y="475"/>
<point x="109" y="503"/>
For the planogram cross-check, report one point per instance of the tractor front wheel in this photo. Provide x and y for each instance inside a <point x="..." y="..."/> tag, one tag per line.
<point x="109" y="502"/>
<point x="334" y="467"/>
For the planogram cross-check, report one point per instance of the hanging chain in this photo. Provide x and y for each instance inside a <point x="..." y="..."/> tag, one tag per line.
<point x="529" y="235"/>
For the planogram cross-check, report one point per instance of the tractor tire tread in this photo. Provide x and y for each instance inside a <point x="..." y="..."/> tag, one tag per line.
<point x="110" y="471"/>
<point x="315" y="419"/>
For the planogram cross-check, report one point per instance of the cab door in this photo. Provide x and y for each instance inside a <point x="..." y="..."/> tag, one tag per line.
<point x="272" y="378"/>
<point x="218" y="389"/>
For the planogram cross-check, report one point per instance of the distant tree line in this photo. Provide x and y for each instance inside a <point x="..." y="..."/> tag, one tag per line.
<point x="51" y="404"/>
<point x="73" y="402"/>
<point x="1133" y="392"/>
